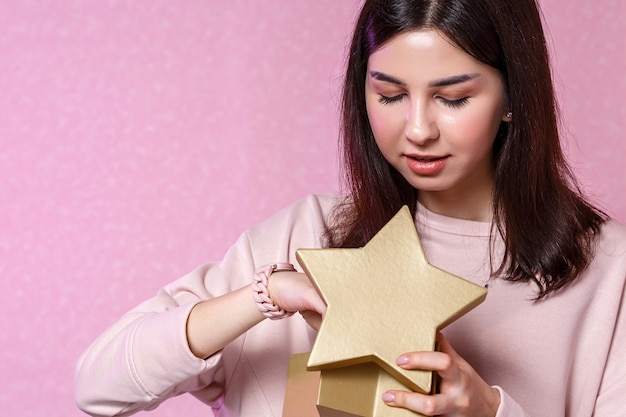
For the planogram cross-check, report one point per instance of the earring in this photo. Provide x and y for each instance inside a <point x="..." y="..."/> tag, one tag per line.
<point x="509" y="115"/>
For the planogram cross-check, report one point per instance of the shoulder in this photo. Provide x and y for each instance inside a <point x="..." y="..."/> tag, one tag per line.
<point x="314" y="208"/>
<point x="612" y="238"/>
<point x="610" y="251"/>
<point x="301" y="223"/>
<point x="313" y="204"/>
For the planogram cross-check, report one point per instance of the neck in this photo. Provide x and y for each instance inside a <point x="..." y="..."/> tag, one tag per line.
<point x="474" y="207"/>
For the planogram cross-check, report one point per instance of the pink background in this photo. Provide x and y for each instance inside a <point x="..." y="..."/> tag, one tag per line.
<point x="139" y="139"/>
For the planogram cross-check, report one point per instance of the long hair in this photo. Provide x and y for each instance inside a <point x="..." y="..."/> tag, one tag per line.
<point x="548" y="227"/>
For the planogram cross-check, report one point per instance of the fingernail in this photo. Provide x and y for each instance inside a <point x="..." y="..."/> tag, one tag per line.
<point x="388" y="397"/>
<point x="402" y="360"/>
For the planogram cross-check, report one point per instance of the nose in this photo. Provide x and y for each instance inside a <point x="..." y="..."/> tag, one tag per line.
<point x="421" y="126"/>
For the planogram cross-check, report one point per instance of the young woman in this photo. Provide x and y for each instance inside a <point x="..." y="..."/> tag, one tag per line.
<point x="448" y="107"/>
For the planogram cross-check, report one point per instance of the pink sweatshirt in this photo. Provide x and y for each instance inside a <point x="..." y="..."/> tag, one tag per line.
<point x="563" y="356"/>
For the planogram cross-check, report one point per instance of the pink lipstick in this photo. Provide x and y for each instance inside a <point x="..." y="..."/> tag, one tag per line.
<point x="426" y="164"/>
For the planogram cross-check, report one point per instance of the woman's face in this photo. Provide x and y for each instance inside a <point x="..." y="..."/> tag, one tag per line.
<point x="434" y="111"/>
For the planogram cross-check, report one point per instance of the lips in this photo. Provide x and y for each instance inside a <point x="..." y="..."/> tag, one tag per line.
<point x="425" y="158"/>
<point x="426" y="164"/>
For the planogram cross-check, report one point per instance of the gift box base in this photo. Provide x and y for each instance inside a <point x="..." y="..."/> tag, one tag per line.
<point x="353" y="391"/>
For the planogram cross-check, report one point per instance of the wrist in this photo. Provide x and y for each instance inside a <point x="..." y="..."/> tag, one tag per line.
<point x="261" y="294"/>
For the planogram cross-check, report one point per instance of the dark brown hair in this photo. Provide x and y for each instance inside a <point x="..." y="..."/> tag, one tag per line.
<point x="548" y="228"/>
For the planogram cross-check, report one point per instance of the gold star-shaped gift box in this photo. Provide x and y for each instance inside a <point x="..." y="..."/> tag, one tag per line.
<point x="382" y="300"/>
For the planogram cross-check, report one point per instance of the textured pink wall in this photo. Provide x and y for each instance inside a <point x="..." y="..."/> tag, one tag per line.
<point x="138" y="139"/>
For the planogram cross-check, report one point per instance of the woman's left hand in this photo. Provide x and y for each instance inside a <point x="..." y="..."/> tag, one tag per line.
<point x="462" y="393"/>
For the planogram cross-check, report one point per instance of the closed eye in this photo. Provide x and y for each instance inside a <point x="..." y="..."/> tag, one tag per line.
<point x="455" y="104"/>
<point x="389" y="100"/>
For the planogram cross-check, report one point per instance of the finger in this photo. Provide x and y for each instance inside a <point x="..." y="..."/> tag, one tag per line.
<point x="425" y="360"/>
<point x="445" y="361"/>
<point x="428" y="405"/>
<point x="445" y="346"/>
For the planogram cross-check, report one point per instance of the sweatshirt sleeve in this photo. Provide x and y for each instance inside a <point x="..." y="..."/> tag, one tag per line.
<point x="144" y="358"/>
<point x="508" y="407"/>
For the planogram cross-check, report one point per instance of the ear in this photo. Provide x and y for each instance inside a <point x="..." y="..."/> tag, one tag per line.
<point x="507" y="117"/>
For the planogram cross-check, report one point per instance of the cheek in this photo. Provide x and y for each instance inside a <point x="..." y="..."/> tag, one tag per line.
<point x="376" y="121"/>
<point x="386" y="125"/>
<point x="472" y="129"/>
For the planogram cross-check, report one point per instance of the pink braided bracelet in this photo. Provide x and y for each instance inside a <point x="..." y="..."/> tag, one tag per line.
<point x="262" y="295"/>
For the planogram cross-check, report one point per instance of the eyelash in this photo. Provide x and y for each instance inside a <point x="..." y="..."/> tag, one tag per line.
<point x="455" y="104"/>
<point x="388" y="100"/>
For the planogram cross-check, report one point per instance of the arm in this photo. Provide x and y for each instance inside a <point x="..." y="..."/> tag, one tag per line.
<point x="173" y="342"/>
<point x="130" y="366"/>
<point x="150" y="356"/>
<point x="214" y="323"/>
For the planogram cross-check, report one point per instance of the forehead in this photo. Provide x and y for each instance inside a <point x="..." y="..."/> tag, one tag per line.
<point x="424" y="54"/>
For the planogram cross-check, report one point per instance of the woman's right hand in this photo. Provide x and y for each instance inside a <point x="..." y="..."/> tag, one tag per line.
<point x="293" y="291"/>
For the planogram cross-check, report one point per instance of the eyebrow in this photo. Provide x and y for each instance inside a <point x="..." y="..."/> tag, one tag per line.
<point x="443" y="82"/>
<point x="387" y="78"/>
